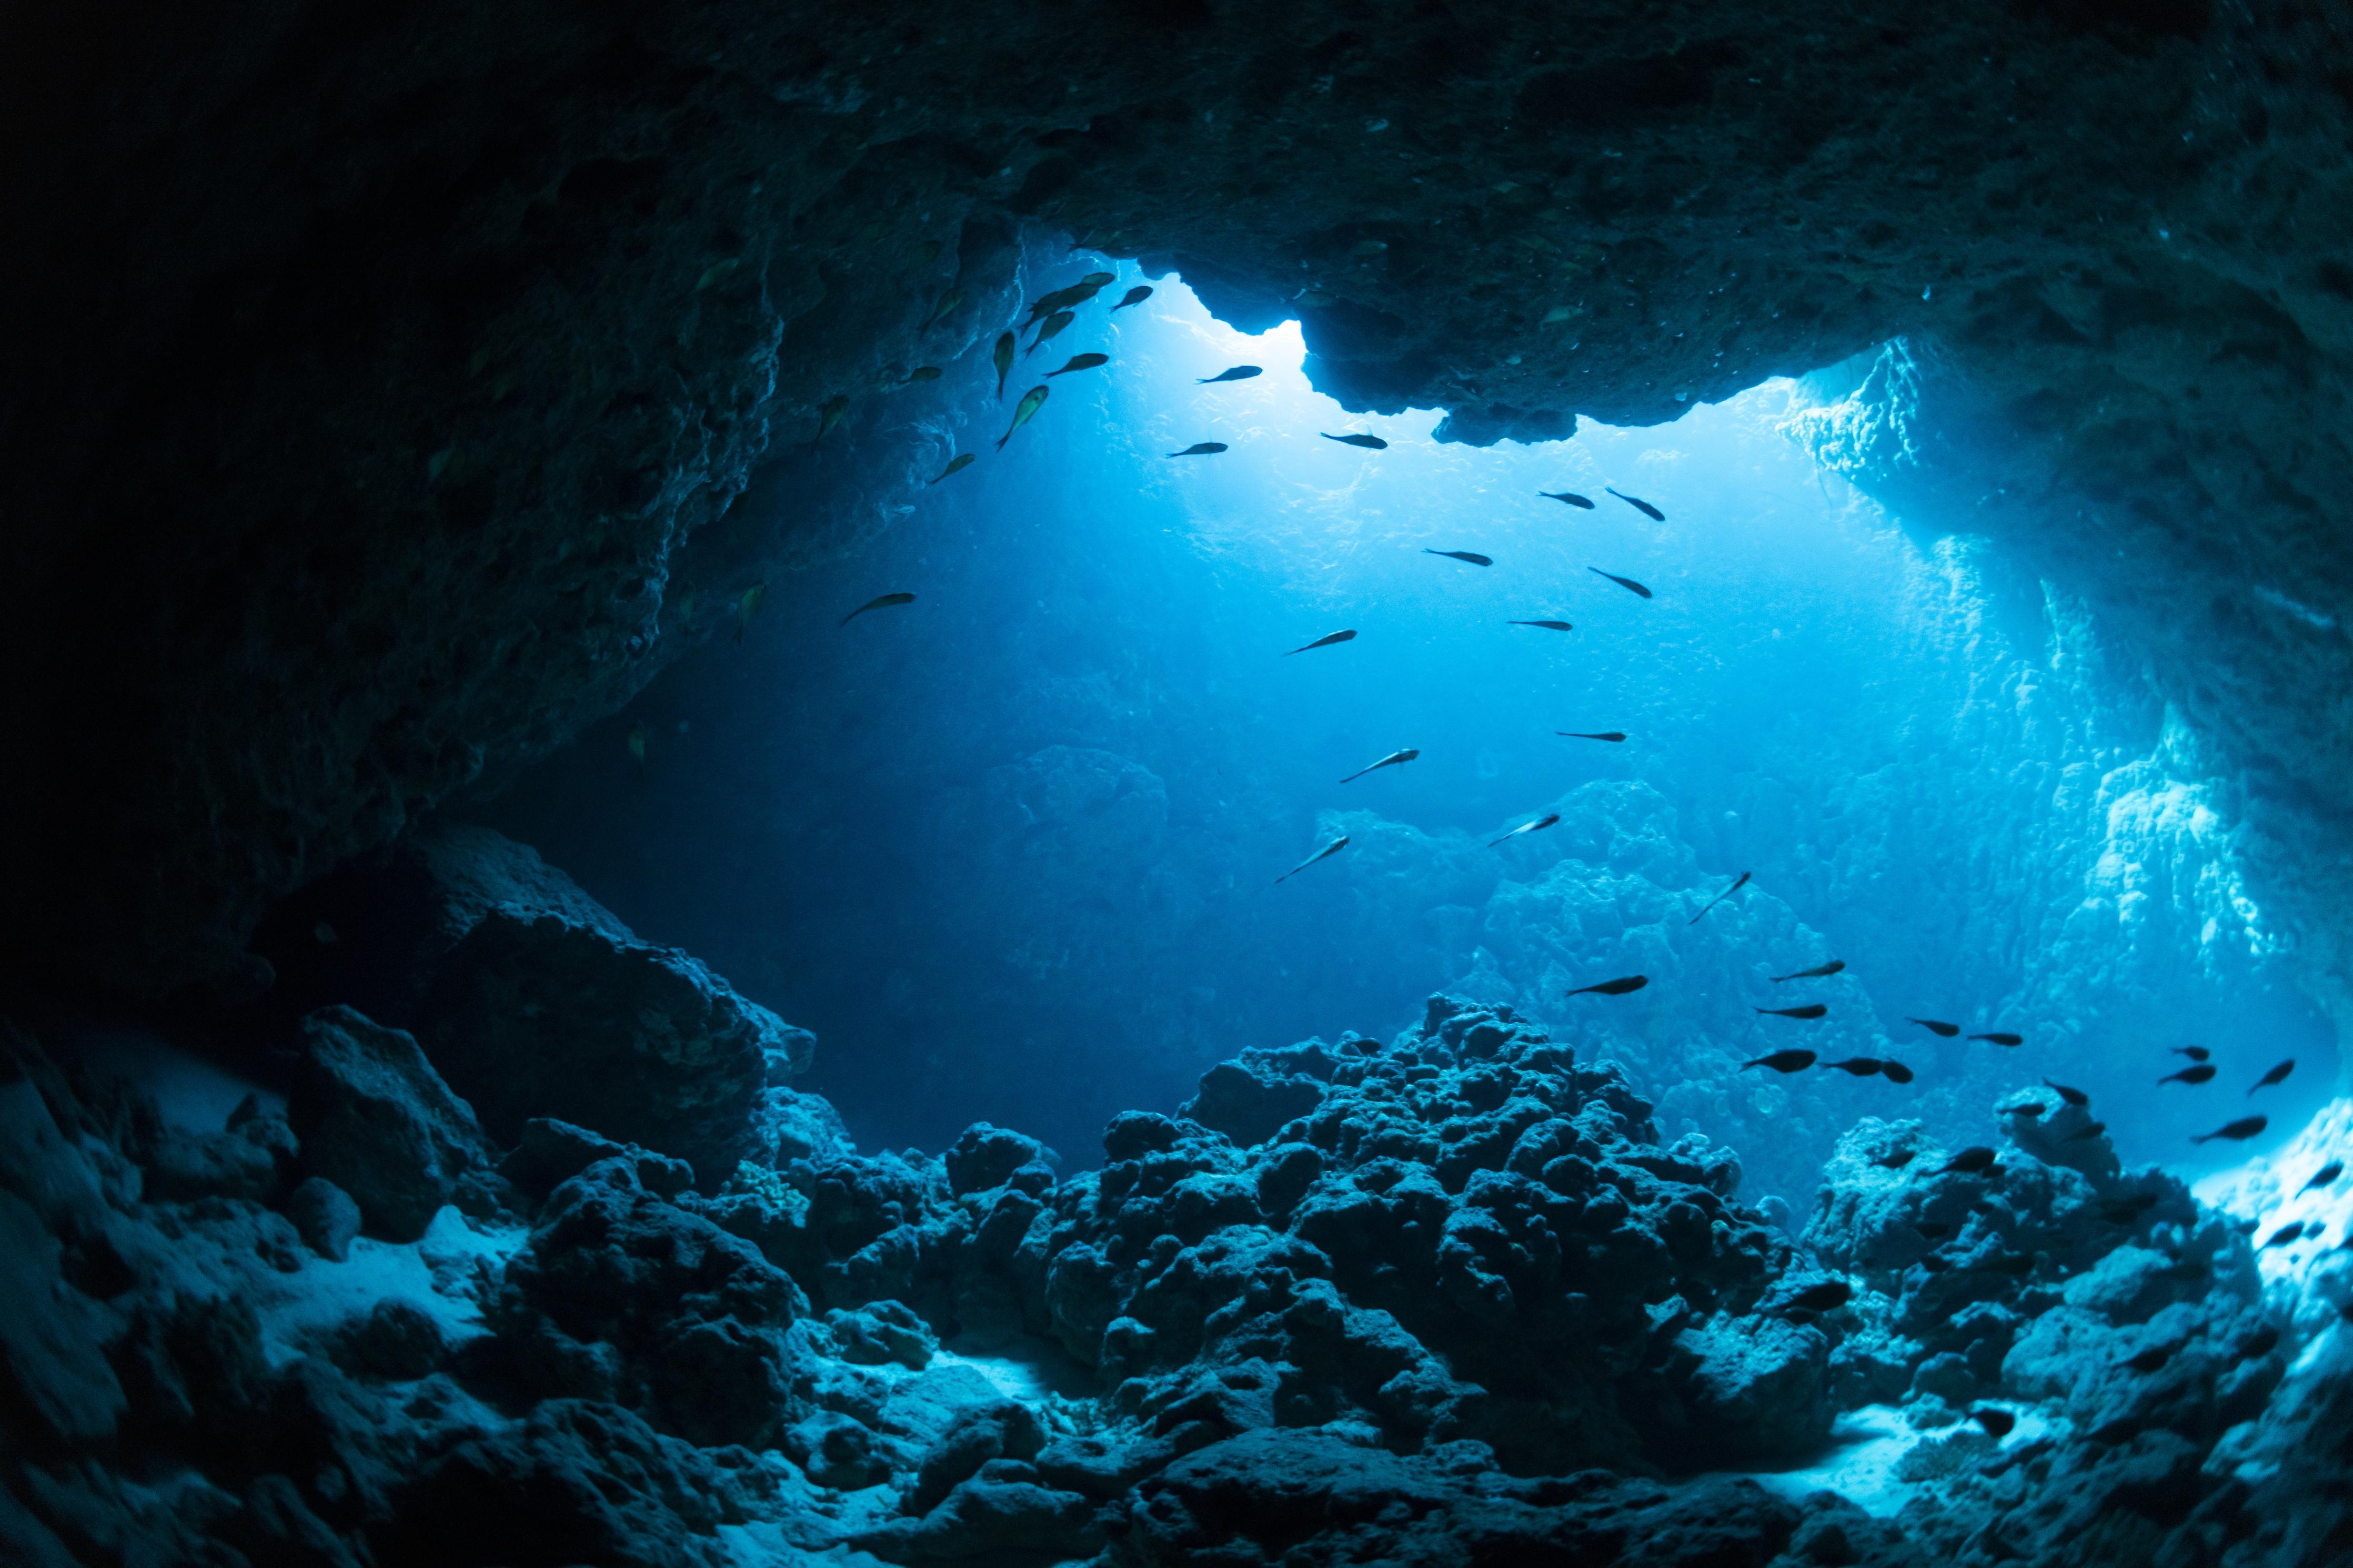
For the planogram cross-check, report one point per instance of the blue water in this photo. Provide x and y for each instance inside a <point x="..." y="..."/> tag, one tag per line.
<point x="1011" y="850"/>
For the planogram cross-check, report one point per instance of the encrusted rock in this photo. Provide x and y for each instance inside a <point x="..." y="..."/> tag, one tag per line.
<point x="379" y="1121"/>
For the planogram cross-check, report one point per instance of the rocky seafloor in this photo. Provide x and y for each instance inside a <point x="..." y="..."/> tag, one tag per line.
<point x="1443" y="1298"/>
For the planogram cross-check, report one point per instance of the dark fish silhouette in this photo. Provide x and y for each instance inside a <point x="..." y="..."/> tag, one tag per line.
<point x="1571" y="497"/>
<point x="1936" y="1027"/>
<point x="1239" y="373"/>
<point x="1933" y="1230"/>
<point x="1392" y="760"/>
<point x="1737" y="883"/>
<point x="1998" y="1423"/>
<point x="1329" y="849"/>
<point x="1613" y="987"/>
<point x="1612" y="736"/>
<point x="2277" y="1075"/>
<point x="1003" y="360"/>
<point x="956" y="464"/>
<point x="1895" y="1072"/>
<point x="747" y="606"/>
<point x="1136" y="296"/>
<point x="2324" y="1176"/>
<point x="1782" y="1061"/>
<point x="1548" y="626"/>
<point x="1472" y="556"/>
<point x="946" y="302"/>
<point x="2033" y="1109"/>
<point x="2198" y="1073"/>
<point x="1645" y="507"/>
<point x="882" y="602"/>
<point x="1369" y="443"/>
<point x="1023" y="412"/>
<point x="2237" y="1132"/>
<point x="1976" y="1159"/>
<point x="2195" y="1053"/>
<point x="1860" y="1066"/>
<point x="2087" y="1132"/>
<point x="1827" y="1296"/>
<point x="2071" y="1096"/>
<point x="2125" y="1210"/>
<point x="1625" y="583"/>
<point x="2000" y="1039"/>
<point x="1325" y="641"/>
<point x="1079" y="362"/>
<point x="636" y="750"/>
<point x="922" y="372"/>
<point x="2282" y="1235"/>
<point x="1817" y="971"/>
<point x="829" y="412"/>
<point x="1895" y="1159"/>
<point x="1052" y="329"/>
<point x="2152" y="1358"/>
<point x="1200" y="449"/>
<point x="1810" y="1010"/>
<point x="1538" y="825"/>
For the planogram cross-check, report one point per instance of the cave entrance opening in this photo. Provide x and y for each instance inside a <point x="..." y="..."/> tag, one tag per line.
<point x="1011" y="849"/>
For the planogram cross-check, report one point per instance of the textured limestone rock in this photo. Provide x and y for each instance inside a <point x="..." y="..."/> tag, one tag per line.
<point x="379" y="1122"/>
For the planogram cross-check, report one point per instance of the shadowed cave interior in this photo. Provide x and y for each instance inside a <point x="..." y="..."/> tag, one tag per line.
<point x="635" y="942"/>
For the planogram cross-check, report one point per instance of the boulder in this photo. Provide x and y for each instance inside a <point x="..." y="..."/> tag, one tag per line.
<point x="376" y="1119"/>
<point x="326" y="1217"/>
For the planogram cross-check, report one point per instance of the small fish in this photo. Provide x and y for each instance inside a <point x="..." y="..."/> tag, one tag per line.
<point x="1625" y="583"/>
<point x="947" y="301"/>
<point x="1023" y="412"/>
<point x="1003" y="360"/>
<point x="2197" y="1074"/>
<point x="1818" y="971"/>
<point x="1328" y="850"/>
<point x="2324" y="1176"/>
<point x="1933" y="1230"/>
<point x="2031" y="1109"/>
<point x="1136" y="296"/>
<point x="1612" y="736"/>
<point x="2282" y="1235"/>
<point x="1369" y="443"/>
<point x="1052" y="329"/>
<point x="638" y="742"/>
<point x="1538" y="825"/>
<point x="882" y="602"/>
<point x="1895" y="1072"/>
<point x="829" y="412"/>
<point x="1200" y="449"/>
<point x="1472" y="556"/>
<point x="2087" y="1132"/>
<point x="1826" y="1296"/>
<point x="1617" y="987"/>
<point x="2237" y="1132"/>
<point x="1739" y="882"/>
<point x="2002" y="1039"/>
<point x="1894" y="1160"/>
<point x="1782" y="1061"/>
<point x="1936" y="1027"/>
<point x="1571" y="497"/>
<point x="956" y="464"/>
<point x="1392" y="760"/>
<point x="1998" y="1423"/>
<point x="1971" y="1161"/>
<point x="1325" y="641"/>
<point x="2125" y="1210"/>
<point x="1860" y="1066"/>
<point x="1095" y="283"/>
<point x="2075" y="1097"/>
<point x="1639" y="504"/>
<point x="747" y="606"/>
<point x="2277" y="1075"/>
<point x="1548" y="626"/>
<point x="2195" y="1053"/>
<point x="1810" y="1010"/>
<point x="922" y="372"/>
<point x="2151" y="1359"/>
<point x="1236" y="372"/>
<point x="1080" y="362"/>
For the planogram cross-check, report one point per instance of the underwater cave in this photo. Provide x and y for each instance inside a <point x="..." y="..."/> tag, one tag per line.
<point x="1438" y="784"/>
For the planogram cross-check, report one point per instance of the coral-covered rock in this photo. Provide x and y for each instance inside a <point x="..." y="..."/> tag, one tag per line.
<point x="326" y="1216"/>
<point x="379" y="1122"/>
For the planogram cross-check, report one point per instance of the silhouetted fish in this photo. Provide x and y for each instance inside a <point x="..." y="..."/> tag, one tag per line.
<point x="1369" y="443"/>
<point x="829" y="412"/>
<point x="1827" y="1296"/>
<point x="1737" y="883"/>
<point x="2198" y="1073"/>
<point x="1023" y="412"/>
<point x="1200" y="449"/>
<point x="1548" y="626"/>
<point x="1973" y="1161"/>
<point x="956" y="464"/>
<point x="946" y="302"/>
<point x="2069" y="1096"/>
<point x="2002" y="1039"/>
<point x="1571" y="497"/>
<point x="1612" y="736"/>
<point x="1817" y="971"/>
<point x="2087" y="1132"/>
<point x="1782" y="1061"/>
<point x="1136" y="296"/>
<point x="1895" y="1159"/>
<point x="2237" y="1132"/>
<point x="1936" y="1027"/>
<point x="1538" y="825"/>
<point x="2323" y="1176"/>
<point x="1052" y="328"/>
<point x="1003" y="360"/>
<point x="1998" y="1423"/>
<point x="1619" y="987"/>
<point x="2151" y="1359"/>
<point x="1625" y="583"/>
<point x="882" y="602"/>
<point x="1392" y="760"/>
<point x="2282" y="1235"/>
<point x="1329" y="849"/>
<point x="2032" y="1109"/>
<point x="1933" y="1230"/>
<point x="2277" y="1075"/>
<point x="638" y="742"/>
<point x="1860" y="1066"/>
<point x="747" y="606"/>
<point x="1645" y="507"/>
<point x="2195" y="1053"/>
<point x="1079" y="362"/>
<point x="1325" y="641"/>
<point x="1472" y="556"/>
<point x="922" y="372"/>
<point x="1894" y="1072"/>
<point x="1810" y="1010"/>
<point x="1238" y="372"/>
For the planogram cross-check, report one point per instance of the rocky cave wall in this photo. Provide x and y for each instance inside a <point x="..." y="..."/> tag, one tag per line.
<point x="379" y="383"/>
